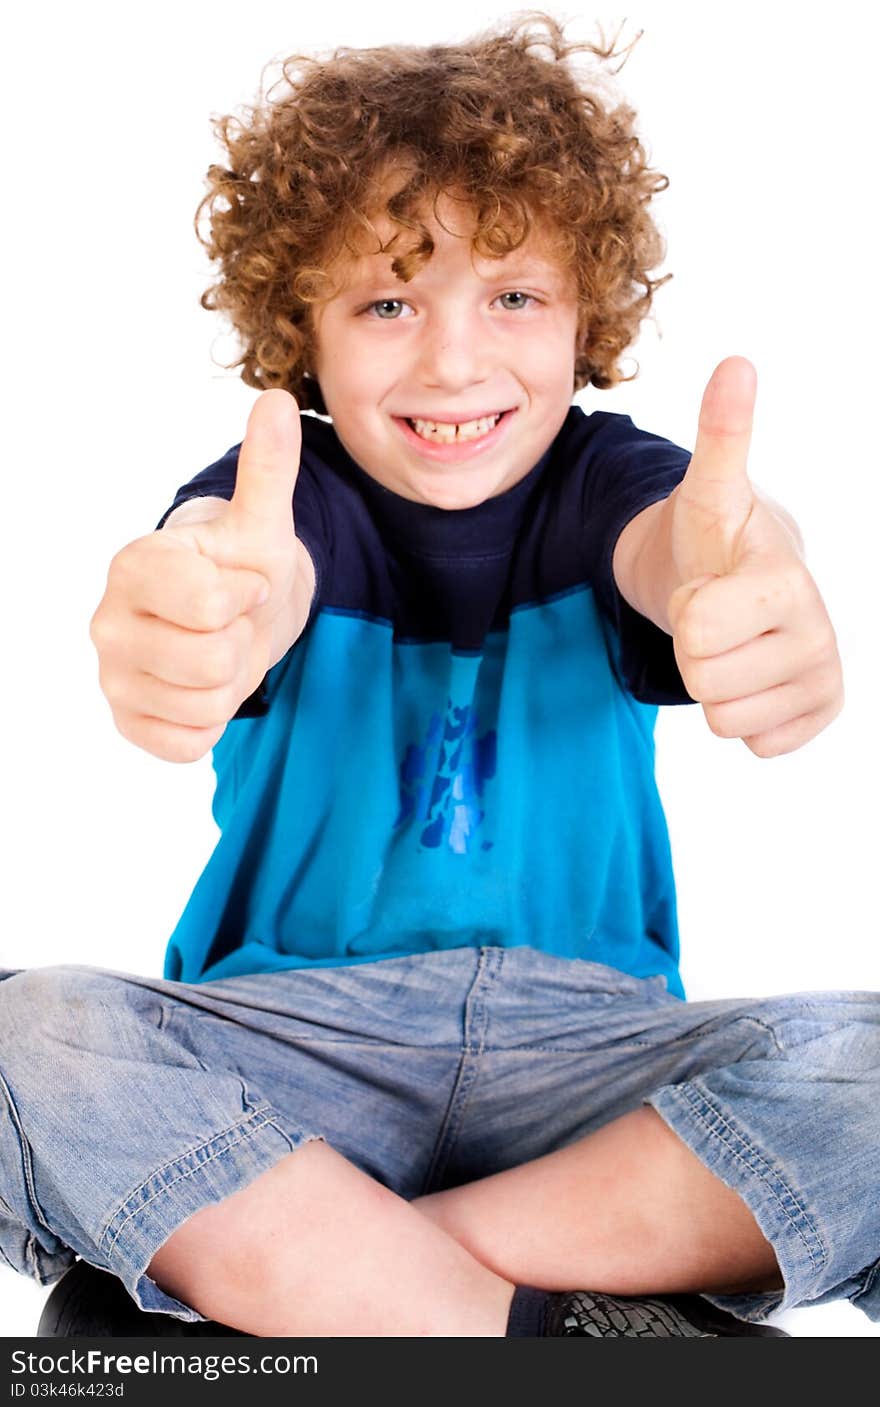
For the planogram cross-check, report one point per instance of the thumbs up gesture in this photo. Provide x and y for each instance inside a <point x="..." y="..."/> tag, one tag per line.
<point x="194" y="615"/>
<point x="751" y="634"/>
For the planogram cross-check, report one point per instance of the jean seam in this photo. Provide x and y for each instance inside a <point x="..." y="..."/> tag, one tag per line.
<point x="757" y="1164"/>
<point x="468" y="1064"/>
<point x="194" y="1148"/>
<point x="26" y="1157"/>
<point x="633" y="1043"/>
<point x="245" y="1133"/>
<point x="714" y="1025"/>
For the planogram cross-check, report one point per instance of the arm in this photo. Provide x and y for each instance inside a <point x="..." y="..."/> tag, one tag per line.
<point x="720" y="568"/>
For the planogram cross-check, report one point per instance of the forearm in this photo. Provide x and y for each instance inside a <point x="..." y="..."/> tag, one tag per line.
<point x="643" y="567"/>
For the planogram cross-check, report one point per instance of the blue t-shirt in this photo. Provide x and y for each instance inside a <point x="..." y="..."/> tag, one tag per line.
<point x="458" y="750"/>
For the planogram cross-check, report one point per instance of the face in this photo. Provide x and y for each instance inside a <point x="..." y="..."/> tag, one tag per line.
<point x="449" y="388"/>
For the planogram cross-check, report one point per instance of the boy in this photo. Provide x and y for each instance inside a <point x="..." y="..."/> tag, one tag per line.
<point x="420" y="1064"/>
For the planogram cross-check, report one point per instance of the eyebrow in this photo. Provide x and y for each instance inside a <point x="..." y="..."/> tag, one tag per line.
<point x="528" y="273"/>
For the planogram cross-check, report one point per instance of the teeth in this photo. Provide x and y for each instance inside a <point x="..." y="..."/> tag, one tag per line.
<point x="447" y="434"/>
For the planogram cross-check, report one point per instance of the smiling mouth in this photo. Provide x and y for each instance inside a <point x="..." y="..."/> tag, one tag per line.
<point x="448" y="432"/>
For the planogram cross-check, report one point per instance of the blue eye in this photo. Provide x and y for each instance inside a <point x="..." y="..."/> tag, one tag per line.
<point x="526" y="298"/>
<point x="387" y="308"/>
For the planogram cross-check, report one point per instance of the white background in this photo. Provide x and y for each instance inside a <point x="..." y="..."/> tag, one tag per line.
<point x="763" y="119"/>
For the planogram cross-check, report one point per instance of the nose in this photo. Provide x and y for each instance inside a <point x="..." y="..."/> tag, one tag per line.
<point x="454" y="352"/>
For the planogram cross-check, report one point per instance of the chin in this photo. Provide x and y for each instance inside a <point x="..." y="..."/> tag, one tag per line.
<point x="452" y="499"/>
<point x="461" y="493"/>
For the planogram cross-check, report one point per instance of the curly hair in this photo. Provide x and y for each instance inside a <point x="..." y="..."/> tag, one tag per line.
<point x="513" y="131"/>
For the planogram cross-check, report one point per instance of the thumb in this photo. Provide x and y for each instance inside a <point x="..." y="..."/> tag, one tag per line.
<point x="714" y="500"/>
<point x="268" y="466"/>
<point x="720" y="458"/>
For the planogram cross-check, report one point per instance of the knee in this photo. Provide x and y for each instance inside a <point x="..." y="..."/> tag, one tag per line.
<point x="838" y="1030"/>
<point x="857" y="1045"/>
<point x="57" y="1007"/>
<point x="38" y="992"/>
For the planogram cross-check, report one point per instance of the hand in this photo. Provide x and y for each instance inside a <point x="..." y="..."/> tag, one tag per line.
<point x="752" y="638"/>
<point x="194" y="615"/>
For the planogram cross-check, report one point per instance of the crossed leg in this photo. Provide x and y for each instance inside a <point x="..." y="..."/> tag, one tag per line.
<point x="316" y="1247"/>
<point x="629" y="1210"/>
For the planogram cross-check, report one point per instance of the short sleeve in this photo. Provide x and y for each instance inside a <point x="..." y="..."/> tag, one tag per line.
<point x="626" y="470"/>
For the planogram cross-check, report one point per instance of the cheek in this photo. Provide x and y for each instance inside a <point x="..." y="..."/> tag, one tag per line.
<point x="548" y="359"/>
<point x="344" y="379"/>
<point x="552" y="370"/>
<point x="359" y="398"/>
<point x="354" y="372"/>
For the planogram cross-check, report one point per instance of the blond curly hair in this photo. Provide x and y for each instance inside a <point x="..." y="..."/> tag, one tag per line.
<point x="504" y="121"/>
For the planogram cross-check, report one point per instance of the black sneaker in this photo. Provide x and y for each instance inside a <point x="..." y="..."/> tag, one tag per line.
<point x="588" y="1314"/>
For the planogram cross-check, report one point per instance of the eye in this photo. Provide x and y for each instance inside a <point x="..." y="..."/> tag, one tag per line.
<point x="524" y="300"/>
<point x="387" y="308"/>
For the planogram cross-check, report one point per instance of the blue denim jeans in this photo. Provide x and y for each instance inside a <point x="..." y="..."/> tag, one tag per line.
<point x="127" y="1104"/>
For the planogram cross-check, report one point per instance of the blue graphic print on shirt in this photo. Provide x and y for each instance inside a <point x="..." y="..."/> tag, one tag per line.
<point x="442" y="782"/>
